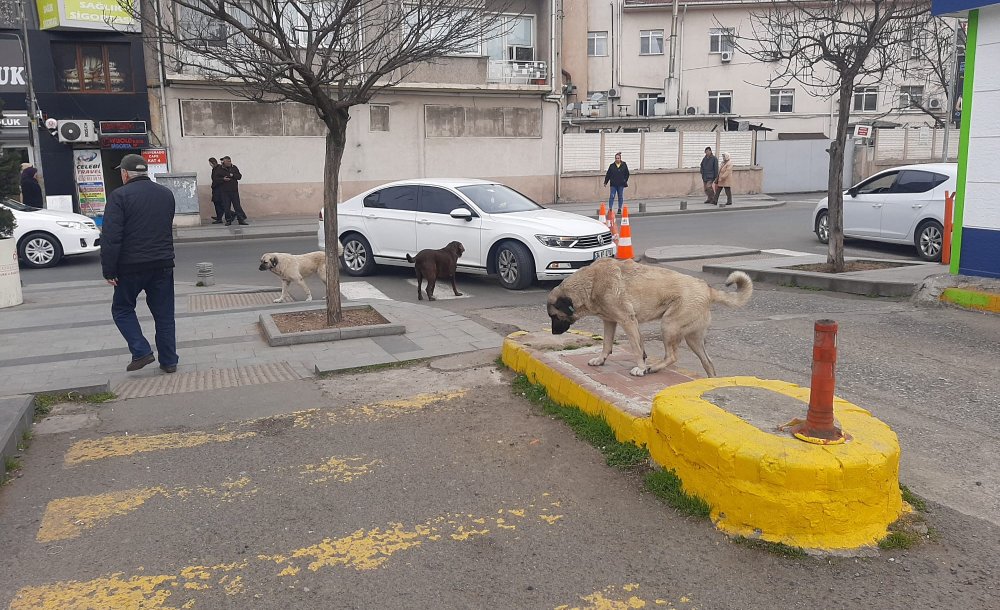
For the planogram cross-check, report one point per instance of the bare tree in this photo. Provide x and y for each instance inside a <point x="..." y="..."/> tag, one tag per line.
<point x="830" y="48"/>
<point x="932" y="61"/>
<point x="328" y="54"/>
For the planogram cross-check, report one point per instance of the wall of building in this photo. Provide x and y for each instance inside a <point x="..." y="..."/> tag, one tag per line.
<point x="589" y="186"/>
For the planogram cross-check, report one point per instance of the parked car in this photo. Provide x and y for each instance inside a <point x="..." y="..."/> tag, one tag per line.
<point x="902" y="205"/>
<point x="504" y="233"/>
<point x="44" y="237"/>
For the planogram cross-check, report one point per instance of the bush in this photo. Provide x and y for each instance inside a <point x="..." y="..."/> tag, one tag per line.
<point x="7" y="223"/>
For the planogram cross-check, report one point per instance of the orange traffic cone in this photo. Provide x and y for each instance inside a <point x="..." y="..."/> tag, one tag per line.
<point x="602" y="215"/>
<point x="625" y="239"/>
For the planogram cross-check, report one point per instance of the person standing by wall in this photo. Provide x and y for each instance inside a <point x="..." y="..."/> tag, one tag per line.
<point x="220" y="209"/>
<point x="230" y="188"/>
<point x="617" y="175"/>
<point x="725" y="180"/>
<point x="137" y="254"/>
<point x="709" y="174"/>
<point x="31" y="191"/>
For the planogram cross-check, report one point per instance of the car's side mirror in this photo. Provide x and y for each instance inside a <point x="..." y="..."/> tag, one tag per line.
<point x="853" y="192"/>
<point x="462" y="213"/>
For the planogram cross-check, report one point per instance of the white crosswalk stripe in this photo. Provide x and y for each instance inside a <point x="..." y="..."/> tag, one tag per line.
<point x="782" y="252"/>
<point x="442" y="290"/>
<point x="356" y="291"/>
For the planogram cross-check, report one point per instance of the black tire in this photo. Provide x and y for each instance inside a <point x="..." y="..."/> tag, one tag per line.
<point x="929" y="240"/>
<point x="39" y="250"/>
<point x="822" y="227"/>
<point x="358" y="259"/>
<point x="515" y="266"/>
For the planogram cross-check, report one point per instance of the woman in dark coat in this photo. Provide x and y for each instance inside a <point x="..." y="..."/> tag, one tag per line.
<point x="31" y="191"/>
<point x="617" y="175"/>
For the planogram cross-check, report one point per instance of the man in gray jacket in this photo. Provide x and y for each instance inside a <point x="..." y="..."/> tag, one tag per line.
<point x="137" y="255"/>
<point x="709" y="174"/>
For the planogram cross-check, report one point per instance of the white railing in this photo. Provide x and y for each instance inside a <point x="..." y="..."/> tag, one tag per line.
<point x="517" y="72"/>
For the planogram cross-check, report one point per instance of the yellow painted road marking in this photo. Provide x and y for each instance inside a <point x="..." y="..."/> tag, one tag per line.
<point x="610" y="598"/>
<point x="361" y="550"/>
<point x="118" y="446"/>
<point x="341" y="470"/>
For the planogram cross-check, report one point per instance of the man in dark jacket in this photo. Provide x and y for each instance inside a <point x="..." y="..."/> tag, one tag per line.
<point x="617" y="175"/>
<point x="31" y="191"/>
<point x="137" y="254"/>
<point x="709" y="174"/>
<point x="220" y="208"/>
<point x="230" y="176"/>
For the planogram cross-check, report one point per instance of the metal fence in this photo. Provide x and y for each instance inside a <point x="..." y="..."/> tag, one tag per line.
<point x="651" y="151"/>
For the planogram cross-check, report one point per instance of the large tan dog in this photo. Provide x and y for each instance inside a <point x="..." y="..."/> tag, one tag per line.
<point x="294" y="267"/>
<point x="627" y="293"/>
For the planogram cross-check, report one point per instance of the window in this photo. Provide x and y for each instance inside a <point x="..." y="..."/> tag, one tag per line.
<point x="393" y="198"/>
<point x="93" y="68"/>
<point x="651" y="42"/>
<point x="498" y="199"/>
<point x="597" y="44"/>
<point x="877" y="185"/>
<point x="205" y="30"/>
<point x="865" y="99"/>
<point x="437" y="25"/>
<point x="303" y="23"/>
<point x="513" y="38"/>
<point x="720" y="102"/>
<point x="645" y="105"/>
<point x="378" y="117"/>
<point x="435" y="200"/>
<point x="911" y="96"/>
<point x="781" y="100"/>
<point x="721" y="39"/>
<point x="917" y="181"/>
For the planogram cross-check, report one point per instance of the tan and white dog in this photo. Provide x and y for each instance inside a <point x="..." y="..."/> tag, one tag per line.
<point x="294" y="268"/>
<point x="627" y="293"/>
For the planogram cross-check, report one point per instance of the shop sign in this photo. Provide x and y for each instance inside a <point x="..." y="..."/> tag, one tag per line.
<point x="862" y="131"/>
<point x="84" y="15"/>
<point x="156" y="160"/>
<point x="12" y="75"/>
<point x="90" y="181"/>
<point x="123" y="127"/>
<point x="14" y="126"/>
<point x="124" y="142"/>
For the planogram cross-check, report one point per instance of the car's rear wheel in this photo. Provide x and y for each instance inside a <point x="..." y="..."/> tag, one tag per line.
<point x="515" y="267"/>
<point x="358" y="258"/>
<point x="40" y="250"/>
<point x="823" y="227"/>
<point x="929" y="240"/>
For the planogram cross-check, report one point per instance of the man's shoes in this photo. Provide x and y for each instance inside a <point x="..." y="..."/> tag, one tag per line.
<point x="215" y="217"/>
<point x="229" y="222"/>
<point x="730" y="203"/>
<point x="138" y="363"/>
<point x="216" y="222"/>
<point x="243" y="222"/>
<point x="168" y="368"/>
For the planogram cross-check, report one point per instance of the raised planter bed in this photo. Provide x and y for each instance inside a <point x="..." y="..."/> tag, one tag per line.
<point x="275" y="337"/>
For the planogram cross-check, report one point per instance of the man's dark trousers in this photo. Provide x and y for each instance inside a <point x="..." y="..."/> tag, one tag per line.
<point x="231" y="201"/>
<point x="220" y="206"/>
<point x="159" y="287"/>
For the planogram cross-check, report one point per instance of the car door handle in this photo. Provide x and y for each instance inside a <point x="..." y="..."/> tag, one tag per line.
<point x="876" y="205"/>
<point x="917" y="206"/>
<point x="372" y="216"/>
<point x="424" y="221"/>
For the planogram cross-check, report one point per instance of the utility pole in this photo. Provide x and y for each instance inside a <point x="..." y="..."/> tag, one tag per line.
<point x="31" y="102"/>
<point x="671" y="91"/>
<point x="951" y="83"/>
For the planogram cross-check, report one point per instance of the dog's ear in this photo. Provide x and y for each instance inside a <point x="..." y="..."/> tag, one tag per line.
<point x="565" y="305"/>
<point x="274" y="261"/>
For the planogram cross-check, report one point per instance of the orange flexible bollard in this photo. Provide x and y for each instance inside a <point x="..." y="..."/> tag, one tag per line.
<point x="602" y="215"/>
<point x="819" y="426"/>
<point x="625" y="240"/>
<point x="612" y="224"/>
<point x="949" y="219"/>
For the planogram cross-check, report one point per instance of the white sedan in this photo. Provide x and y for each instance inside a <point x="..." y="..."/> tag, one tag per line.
<point x="504" y="233"/>
<point x="44" y="237"/>
<point x="902" y="205"/>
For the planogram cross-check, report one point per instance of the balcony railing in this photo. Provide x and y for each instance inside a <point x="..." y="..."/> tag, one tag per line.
<point x="517" y="72"/>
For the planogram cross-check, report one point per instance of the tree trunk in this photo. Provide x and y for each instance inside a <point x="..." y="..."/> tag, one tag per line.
<point x="336" y="137"/>
<point x="835" y="186"/>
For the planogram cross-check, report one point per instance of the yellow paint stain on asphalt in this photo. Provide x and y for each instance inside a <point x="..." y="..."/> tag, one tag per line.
<point x="67" y="518"/>
<point x="550" y="519"/>
<point x="610" y="598"/>
<point x="361" y="550"/>
<point x="337" y="469"/>
<point x="393" y="408"/>
<point x="118" y="446"/>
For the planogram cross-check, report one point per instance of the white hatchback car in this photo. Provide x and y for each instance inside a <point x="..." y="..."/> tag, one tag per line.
<point x="504" y="233"/>
<point x="44" y="237"/>
<point x="903" y="205"/>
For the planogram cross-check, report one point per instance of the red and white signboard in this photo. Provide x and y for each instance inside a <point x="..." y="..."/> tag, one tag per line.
<point x="156" y="159"/>
<point x="863" y="131"/>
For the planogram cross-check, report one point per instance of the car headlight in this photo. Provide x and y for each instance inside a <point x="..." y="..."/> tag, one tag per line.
<point x="69" y="224"/>
<point x="557" y="241"/>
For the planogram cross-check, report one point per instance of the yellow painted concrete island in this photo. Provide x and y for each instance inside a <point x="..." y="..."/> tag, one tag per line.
<point x="759" y="484"/>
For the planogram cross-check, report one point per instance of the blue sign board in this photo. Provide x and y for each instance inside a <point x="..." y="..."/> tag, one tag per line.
<point x="945" y="7"/>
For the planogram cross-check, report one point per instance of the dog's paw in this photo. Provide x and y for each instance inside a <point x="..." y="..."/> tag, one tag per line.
<point x="309" y="298"/>
<point x="279" y="300"/>
<point x="599" y="361"/>
<point x="458" y="294"/>
<point x="639" y="371"/>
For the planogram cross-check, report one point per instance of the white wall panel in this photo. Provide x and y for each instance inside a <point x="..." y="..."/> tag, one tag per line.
<point x="739" y="145"/>
<point x="694" y="147"/>
<point x="628" y="144"/>
<point x="661" y="150"/>
<point x="581" y="152"/>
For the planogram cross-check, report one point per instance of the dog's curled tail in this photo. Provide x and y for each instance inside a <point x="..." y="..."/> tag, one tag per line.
<point x="409" y="258"/>
<point x="744" y="290"/>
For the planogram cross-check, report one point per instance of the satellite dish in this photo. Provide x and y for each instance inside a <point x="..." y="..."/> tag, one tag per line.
<point x="596" y="97"/>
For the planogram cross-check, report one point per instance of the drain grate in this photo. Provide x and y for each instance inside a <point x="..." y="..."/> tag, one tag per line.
<point x="213" y="379"/>
<point x="232" y="300"/>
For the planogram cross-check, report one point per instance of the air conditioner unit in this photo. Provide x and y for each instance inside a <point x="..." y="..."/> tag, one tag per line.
<point x="76" y="131"/>
<point x="904" y="100"/>
<point x="934" y="103"/>
<point x="614" y="94"/>
<point x="726" y="56"/>
<point x="691" y="110"/>
<point x="521" y="53"/>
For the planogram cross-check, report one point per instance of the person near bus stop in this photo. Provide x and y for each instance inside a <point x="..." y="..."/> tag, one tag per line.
<point x="709" y="174"/>
<point x="617" y="175"/>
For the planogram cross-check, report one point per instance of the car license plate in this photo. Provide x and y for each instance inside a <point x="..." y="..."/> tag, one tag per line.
<point x="609" y="253"/>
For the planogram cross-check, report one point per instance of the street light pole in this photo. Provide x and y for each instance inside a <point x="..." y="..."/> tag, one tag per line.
<point x="31" y="101"/>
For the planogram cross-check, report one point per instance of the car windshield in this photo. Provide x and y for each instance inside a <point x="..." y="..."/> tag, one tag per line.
<point x="498" y="199"/>
<point x="16" y="205"/>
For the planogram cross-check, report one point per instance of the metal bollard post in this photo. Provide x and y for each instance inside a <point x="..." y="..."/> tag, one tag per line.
<point x="206" y="274"/>
<point x="684" y="204"/>
<point x="642" y="206"/>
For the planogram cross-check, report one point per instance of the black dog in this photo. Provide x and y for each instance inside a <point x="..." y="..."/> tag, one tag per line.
<point x="434" y="264"/>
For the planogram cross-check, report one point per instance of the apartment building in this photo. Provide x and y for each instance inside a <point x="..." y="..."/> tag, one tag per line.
<point x="489" y="113"/>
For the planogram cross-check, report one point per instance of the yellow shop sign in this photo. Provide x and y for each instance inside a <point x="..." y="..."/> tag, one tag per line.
<point x="85" y="15"/>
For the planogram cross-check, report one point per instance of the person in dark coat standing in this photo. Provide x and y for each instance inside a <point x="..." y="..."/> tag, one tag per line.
<point x="617" y="175"/>
<point x="31" y="191"/>
<point x="230" y="175"/>
<point x="137" y="255"/>
<point x="220" y="209"/>
<point x="709" y="174"/>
